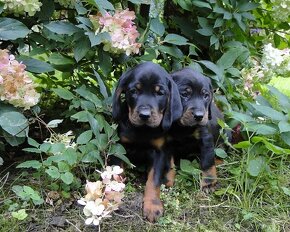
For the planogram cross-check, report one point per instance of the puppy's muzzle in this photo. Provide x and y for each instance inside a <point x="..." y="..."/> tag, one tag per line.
<point x="198" y="115"/>
<point x="144" y="113"/>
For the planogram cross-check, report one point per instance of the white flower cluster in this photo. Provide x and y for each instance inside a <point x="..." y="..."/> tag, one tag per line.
<point x="66" y="3"/>
<point x="103" y="197"/>
<point x="275" y="61"/>
<point x="66" y="139"/>
<point x="15" y="85"/>
<point x="21" y="7"/>
<point x="281" y="10"/>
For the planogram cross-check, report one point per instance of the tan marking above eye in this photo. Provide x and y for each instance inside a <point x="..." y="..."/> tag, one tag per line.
<point x="138" y="86"/>
<point x="157" y="88"/>
<point x="188" y="90"/>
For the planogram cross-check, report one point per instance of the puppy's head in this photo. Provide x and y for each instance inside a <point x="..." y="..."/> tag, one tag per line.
<point x="150" y="97"/>
<point x="196" y="96"/>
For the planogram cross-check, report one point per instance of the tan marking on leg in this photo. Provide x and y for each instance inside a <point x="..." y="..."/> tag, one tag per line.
<point x="170" y="175"/>
<point x="124" y="139"/>
<point x="153" y="207"/>
<point x="158" y="143"/>
<point x="209" y="180"/>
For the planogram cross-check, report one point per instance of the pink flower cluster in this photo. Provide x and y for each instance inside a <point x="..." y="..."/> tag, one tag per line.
<point x="15" y="86"/>
<point x="122" y="31"/>
<point x="103" y="197"/>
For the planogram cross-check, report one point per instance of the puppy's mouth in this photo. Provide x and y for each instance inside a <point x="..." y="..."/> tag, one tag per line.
<point x="193" y="117"/>
<point x="145" y="116"/>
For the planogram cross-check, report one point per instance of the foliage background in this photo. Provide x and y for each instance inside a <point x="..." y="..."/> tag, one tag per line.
<point x="62" y="47"/>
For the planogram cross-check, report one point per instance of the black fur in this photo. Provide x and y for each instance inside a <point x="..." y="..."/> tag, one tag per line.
<point x="144" y="93"/>
<point x="197" y="131"/>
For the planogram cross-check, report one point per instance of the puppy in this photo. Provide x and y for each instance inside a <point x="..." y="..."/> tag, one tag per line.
<point x="145" y="104"/>
<point x="197" y="129"/>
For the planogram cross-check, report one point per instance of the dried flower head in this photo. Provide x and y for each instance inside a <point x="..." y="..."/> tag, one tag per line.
<point x="122" y="31"/>
<point x="15" y="85"/>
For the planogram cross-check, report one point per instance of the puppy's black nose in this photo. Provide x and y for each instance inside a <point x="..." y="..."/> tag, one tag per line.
<point x="198" y="116"/>
<point x="144" y="113"/>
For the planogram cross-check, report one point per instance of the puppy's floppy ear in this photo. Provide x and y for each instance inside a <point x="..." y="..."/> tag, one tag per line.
<point x="211" y="101"/>
<point x="173" y="110"/>
<point x="121" y="87"/>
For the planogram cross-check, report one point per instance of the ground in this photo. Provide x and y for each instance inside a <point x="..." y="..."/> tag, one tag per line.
<point x="186" y="207"/>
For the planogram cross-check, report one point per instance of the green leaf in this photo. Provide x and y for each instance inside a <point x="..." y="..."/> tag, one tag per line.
<point x="62" y="27"/>
<point x="157" y="27"/>
<point x="67" y="178"/>
<point x="205" y="31"/>
<point x="256" y="165"/>
<point x="99" y="38"/>
<point x="101" y="142"/>
<point x="57" y="148"/>
<point x="286" y="191"/>
<point x="286" y="137"/>
<point x="173" y="51"/>
<point x="81" y="116"/>
<point x="53" y="172"/>
<point x="81" y="48"/>
<point x="93" y="157"/>
<point x="103" y="5"/>
<point x="12" y="29"/>
<point x="201" y="4"/>
<point x="243" y="144"/>
<point x="187" y="167"/>
<point x="63" y="167"/>
<point x="94" y="124"/>
<point x="30" y="164"/>
<point x="282" y="98"/>
<point x="54" y="123"/>
<point x="14" y="123"/>
<point x="82" y="91"/>
<point x="229" y="57"/>
<point x="269" y="112"/>
<point x="220" y="153"/>
<point x="60" y="60"/>
<point x="175" y="39"/>
<point x="64" y="93"/>
<point x="70" y="156"/>
<point x="284" y="126"/>
<point x="211" y="66"/>
<point x="105" y="62"/>
<point x="34" y="65"/>
<point x="32" y="142"/>
<point x="241" y="117"/>
<point x="20" y="214"/>
<point x="261" y="129"/>
<point x="102" y="86"/>
<point x="85" y="137"/>
<point x="218" y="22"/>
<point x="213" y="39"/>
<point x="247" y="6"/>
<point x="32" y="150"/>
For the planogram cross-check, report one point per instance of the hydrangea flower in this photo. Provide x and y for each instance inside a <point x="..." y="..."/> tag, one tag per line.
<point x="15" y="85"/>
<point x="122" y="31"/>
<point x="21" y="7"/>
<point x="103" y="197"/>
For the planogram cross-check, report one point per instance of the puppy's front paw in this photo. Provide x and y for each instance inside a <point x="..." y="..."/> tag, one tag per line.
<point x="208" y="185"/>
<point x="209" y="180"/>
<point x="152" y="209"/>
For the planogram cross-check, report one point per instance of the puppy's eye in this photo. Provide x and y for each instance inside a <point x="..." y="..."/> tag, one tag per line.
<point x="133" y="91"/>
<point x="184" y="94"/>
<point x="206" y="95"/>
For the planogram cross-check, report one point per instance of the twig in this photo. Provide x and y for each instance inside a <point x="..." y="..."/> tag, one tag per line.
<point x="73" y="225"/>
<point x="211" y="206"/>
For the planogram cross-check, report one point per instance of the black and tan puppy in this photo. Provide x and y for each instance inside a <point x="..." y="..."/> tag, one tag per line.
<point x="197" y="129"/>
<point x="145" y="104"/>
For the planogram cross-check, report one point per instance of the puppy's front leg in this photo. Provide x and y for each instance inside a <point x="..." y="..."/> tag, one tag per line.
<point x="207" y="161"/>
<point x="153" y="207"/>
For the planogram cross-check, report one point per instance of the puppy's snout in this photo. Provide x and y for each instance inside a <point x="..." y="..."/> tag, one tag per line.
<point x="144" y="113"/>
<point x="198" y="115"/>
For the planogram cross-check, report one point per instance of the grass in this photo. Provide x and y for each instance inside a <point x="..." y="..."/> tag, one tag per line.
<point x="241" y="203"/>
